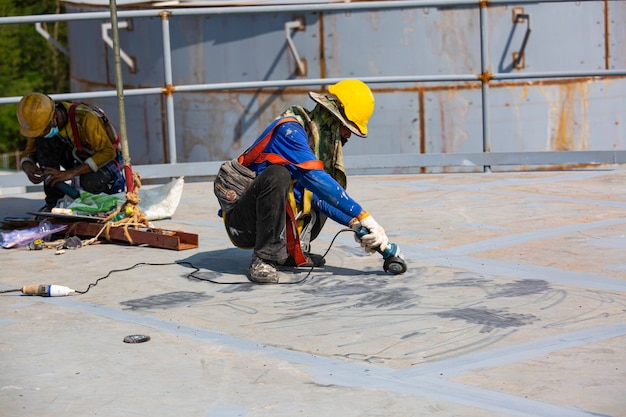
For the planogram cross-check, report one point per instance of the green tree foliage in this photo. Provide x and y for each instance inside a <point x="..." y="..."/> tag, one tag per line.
<point x="29" y="62"/>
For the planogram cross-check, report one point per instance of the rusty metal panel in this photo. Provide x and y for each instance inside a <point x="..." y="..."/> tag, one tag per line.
<point x="453" y="121"/>
<point x="395" y="127"/>
<point x="453" y="124"/>
<point x="239" y="47"/>
<point x="563" y="36"/>
<point x="573" y="115"/>
<point x="410" y="118"/>
<point x="404" y="41"/>
<point x="92" y="66"/>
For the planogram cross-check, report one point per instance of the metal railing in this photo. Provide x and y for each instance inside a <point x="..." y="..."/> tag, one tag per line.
<point x="10" y="160"/>
<point x="485" y="159"/>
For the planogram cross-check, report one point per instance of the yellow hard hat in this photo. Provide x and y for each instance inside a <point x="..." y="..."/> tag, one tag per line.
<point x="357" y="100"/>
<point x="356" y="104"/>
<point x="34" y="114"/>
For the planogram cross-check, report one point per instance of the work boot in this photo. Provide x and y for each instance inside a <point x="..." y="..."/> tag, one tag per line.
<point x="262" y="271"/>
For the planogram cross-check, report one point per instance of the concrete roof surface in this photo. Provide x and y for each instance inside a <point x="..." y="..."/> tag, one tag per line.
<point x="514" y="304"/>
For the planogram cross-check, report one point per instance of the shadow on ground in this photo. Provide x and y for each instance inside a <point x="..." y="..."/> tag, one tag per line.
<point x="220" y="265"/>
<point x="19" y="207"/>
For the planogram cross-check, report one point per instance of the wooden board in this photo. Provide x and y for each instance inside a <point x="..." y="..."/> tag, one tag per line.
<point x="154" y="237"/>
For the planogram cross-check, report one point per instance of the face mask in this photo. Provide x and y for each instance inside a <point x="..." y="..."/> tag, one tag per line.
<point x="53" y="132"/>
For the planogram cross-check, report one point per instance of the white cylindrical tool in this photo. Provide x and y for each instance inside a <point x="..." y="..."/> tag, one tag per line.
<point x="59" y="210"/>
<point x="47" y="290"/>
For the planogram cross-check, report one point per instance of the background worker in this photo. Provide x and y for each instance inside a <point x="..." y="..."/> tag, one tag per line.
<point x="73" y="136"/>
<point x="301" y="172"/>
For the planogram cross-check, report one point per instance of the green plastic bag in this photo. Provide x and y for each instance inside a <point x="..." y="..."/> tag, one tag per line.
<point x="89" y="203"/>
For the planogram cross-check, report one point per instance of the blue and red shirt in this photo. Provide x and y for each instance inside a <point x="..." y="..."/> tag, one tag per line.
<point x="290" y="141"/>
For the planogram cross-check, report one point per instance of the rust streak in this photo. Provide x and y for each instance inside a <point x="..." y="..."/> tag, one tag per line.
<point x="566" y="167"/>
<point x="165" y="142"/>
<point x="607" y="45"/>
<point x="322" y="43"/>
<point x="564" y="137"/>
<point x="422" y="122"/>
<point x="442" y="118"/>
<point x="571" y="123"/>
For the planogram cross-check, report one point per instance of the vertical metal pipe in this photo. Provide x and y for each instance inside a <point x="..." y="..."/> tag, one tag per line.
<point x="120" y="96"/>
<point x="169" y="89"/>
<point x="485" y="79"/>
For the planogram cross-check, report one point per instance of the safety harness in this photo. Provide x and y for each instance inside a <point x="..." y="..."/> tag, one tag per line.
<point x="114" y="137"/>
<point x="256" y="154"/>
<point x="110" y="130"/>
<point x="112" y="134"/>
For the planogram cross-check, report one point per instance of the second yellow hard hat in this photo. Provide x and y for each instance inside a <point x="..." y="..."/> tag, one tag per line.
<point x="34" y="113"/>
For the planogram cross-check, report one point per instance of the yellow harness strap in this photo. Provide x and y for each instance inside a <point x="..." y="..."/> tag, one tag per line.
<point x="304" y="210"/>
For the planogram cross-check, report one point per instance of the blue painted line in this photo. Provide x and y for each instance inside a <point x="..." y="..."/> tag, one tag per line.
<point x="505" y="404"/>
<point x="491" y="188"/>
<point x="236" y="411"/>
<point x="493" y="267"/>
<point x="484" y="226"/>
<point x="506" y="182"/>
<point x="513" y="354"/>
<point x="458" y="257"/>
<point x="518" y="238"/>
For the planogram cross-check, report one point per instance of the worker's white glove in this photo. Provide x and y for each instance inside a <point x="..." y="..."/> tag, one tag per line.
<point x="355" y="225"/>
<point x="375" y="239"/>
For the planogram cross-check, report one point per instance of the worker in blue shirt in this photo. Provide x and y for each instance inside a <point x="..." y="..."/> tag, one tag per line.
<point x="300" y="182"/>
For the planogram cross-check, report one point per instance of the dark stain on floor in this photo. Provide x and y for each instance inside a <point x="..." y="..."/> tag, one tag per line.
<point x="490" y="319"/>
<point x="521" y="288"/>
<point x="166" y="300"/>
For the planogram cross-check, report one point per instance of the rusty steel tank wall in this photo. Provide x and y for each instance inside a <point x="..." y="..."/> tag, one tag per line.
<point x="410" y="118"/>
<point x="460" y="85"/>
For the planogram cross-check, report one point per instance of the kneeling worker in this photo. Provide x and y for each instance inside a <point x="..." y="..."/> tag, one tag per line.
<point x="300" y="182"/>
<point x="75" y="136"/>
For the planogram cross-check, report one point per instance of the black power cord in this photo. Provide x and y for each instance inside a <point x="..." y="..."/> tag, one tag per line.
<point x="192" y="274"/>
<point x="93" y="284"/>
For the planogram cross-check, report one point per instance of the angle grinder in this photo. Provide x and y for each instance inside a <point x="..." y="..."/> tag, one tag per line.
<point x="394" y="260"/>
<point x="65" y="188"/>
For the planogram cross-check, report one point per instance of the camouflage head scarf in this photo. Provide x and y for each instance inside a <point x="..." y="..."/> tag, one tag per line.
<point x="323" y="131"/>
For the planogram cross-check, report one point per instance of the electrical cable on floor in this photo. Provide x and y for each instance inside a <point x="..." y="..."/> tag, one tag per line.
<point x="323" y="256"/>
<point x="56" y="290"/>
<point x="313" y="267"/>
<point x="93" y="284"/>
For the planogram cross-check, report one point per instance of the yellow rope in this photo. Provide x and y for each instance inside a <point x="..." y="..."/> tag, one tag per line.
<point x="134" y="216"/>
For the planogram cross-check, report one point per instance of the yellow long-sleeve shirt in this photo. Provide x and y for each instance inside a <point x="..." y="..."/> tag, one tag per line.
<point x="93" y="138"/>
